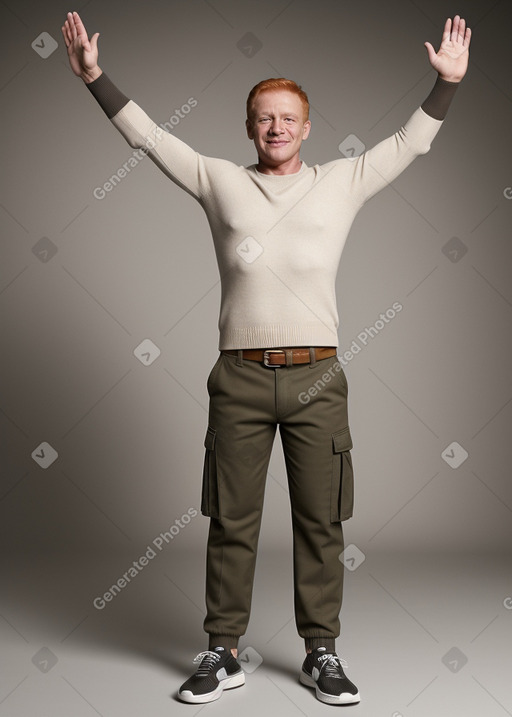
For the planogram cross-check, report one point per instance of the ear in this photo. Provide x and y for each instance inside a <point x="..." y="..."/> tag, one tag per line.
<point x="307" y="129"/>
<point x="248" y="127"/>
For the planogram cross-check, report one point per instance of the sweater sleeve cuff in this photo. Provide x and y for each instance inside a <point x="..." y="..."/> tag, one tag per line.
<point x="110" y="98"/>
<point x="437" y="103"/>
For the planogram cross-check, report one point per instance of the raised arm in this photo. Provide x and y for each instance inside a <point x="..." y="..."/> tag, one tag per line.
<point x="451" y="63"/>
<point x="83" y="58"/>
<point x="381" y="164"/>
<point x="182" y="164"/>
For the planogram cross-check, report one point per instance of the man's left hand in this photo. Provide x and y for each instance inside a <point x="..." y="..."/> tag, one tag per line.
<point x="451" y="62"/>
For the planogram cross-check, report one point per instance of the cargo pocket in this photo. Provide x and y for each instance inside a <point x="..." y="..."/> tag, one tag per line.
<point x="209" y="491"/>
<point x="342" y="481"/>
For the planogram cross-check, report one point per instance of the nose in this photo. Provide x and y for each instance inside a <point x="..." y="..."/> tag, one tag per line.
<point x="275" y="127"/>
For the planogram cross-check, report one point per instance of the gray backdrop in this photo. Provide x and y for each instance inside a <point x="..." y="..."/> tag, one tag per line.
<point x="84" y="281"/>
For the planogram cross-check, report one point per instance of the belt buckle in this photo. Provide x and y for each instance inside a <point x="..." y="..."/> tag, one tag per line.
<point x="266" y="357"/>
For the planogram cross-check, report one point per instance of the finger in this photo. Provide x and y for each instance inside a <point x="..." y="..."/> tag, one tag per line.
<point x="72" y="25"/>
<point x="69" y="36"/>
<point x="447" y="27"/>
<point x="455" y="28"/>
<point x="80" y="27"/>
<point x="94" y="41"/>
<point x="467" y="38"/>
<point x="462" y="30"/>
<point x="65" y="36"/>
<point x="431" y="52"/>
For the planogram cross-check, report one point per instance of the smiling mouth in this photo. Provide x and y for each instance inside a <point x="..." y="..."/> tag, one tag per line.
<point x="274" y="141"/>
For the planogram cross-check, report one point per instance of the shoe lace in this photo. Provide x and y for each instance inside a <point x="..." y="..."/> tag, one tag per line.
<point x="332" y="666"/>
<point x="208" y="659"/>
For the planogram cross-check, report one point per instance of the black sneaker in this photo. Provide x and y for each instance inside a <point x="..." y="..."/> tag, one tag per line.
<point x="323" y="670"/>
<point x="218" y="671"/>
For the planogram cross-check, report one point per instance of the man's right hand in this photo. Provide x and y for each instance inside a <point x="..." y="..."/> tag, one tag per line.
<point x="82" y="52"/>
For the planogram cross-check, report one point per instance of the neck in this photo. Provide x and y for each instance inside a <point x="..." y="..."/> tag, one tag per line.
<point x="291" y="167"/>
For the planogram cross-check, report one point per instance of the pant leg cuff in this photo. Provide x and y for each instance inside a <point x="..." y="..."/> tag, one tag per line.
<point x="313" y="642"/>
<point x="227" y="641"/>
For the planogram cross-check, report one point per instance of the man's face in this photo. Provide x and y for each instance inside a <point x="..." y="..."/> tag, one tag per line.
<point x="277" y="126"/>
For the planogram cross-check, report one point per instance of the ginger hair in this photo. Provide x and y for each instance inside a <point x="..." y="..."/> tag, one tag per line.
<point x="277" y="83"/>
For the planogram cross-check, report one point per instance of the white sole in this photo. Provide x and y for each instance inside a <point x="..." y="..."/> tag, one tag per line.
<point x="227" y="684"/>
<point x="346" y="698"/>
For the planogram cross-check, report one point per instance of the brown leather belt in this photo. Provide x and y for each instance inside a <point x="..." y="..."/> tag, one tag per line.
<point x="285" y="356"/>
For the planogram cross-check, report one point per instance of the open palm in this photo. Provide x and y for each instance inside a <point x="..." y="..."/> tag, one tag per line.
<point x="451" y="61"/>
<point x="82" y="52"/>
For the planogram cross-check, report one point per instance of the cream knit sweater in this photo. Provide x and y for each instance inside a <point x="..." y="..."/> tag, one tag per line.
<point x="278" y="238"/>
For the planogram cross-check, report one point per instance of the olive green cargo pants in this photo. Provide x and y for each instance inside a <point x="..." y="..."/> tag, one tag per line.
<point x="247" y="401"/>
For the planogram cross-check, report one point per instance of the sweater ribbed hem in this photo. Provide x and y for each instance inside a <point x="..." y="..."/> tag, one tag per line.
<point x="437" y="103"/>
<point x="277" y="336"/>
<point x="108" y="96"/>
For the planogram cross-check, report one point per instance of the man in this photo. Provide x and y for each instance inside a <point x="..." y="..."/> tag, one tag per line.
<point x="279" y="228"/>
